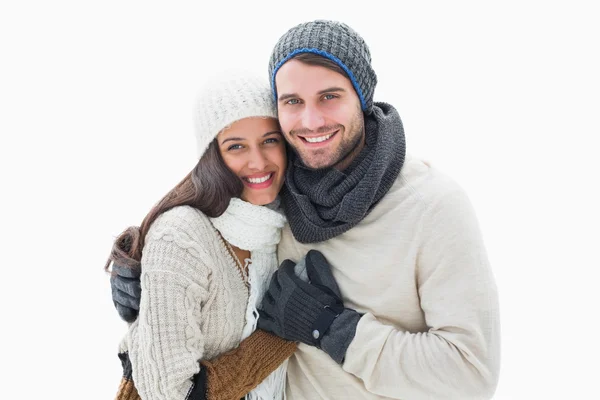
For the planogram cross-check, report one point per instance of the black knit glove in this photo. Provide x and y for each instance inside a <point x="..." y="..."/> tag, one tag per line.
<point x="309" y="312"/>
<point x="126" y="291"/>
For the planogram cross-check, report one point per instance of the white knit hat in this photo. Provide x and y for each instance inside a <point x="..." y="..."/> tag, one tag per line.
<point x="227" y="98"/>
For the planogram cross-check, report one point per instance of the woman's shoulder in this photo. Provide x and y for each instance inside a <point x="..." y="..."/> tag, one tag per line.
<point x="182" y="223"/>
<point x="183" y="218"/>
<point x="180" y="232"/>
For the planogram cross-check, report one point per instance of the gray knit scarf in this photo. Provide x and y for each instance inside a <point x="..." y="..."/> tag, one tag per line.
<point x="322" y="204"/>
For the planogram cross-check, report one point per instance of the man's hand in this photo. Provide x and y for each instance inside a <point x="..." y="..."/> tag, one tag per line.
<point x="309" y="312"/>
<point x="126" y="291"/>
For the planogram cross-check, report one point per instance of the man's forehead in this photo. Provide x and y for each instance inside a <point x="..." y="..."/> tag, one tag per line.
<point x="298" y="76"/>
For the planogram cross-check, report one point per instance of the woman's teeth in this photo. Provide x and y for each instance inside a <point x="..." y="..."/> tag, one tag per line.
<point x="259" y="180"/>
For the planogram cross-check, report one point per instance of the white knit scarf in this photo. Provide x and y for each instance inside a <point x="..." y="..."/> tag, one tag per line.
<point x="258" y="230"/>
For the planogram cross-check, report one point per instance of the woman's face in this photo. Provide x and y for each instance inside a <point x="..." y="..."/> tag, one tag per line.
<point x="254" y="149"/>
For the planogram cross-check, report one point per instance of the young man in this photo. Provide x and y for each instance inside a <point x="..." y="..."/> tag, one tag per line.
<point x="420" y="309"/>
<point x="403" y="305"/>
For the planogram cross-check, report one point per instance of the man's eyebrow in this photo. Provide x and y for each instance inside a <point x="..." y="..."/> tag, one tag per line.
<point x="332" y="89"/>
<point x="231" y="139"/>
<point x="287" y="96"/>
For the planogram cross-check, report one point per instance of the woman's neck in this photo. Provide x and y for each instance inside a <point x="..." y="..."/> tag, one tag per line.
<point x="241" y="256"/>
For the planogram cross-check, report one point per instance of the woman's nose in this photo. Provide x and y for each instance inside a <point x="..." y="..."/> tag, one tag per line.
<point x="257" y="160"/>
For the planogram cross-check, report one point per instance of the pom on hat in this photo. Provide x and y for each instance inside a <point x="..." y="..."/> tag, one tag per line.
<point x="227" y="98"/>
<point x="335" y="41"/>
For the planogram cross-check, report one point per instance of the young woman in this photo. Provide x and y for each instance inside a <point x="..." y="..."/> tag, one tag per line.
<point x="206" y="252"/>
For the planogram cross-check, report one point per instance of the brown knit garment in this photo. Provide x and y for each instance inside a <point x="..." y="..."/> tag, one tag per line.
<point x="127" y="390"/>
<point x="234" y="374"/>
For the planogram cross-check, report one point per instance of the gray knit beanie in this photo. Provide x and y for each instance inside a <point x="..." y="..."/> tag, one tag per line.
<point x="335" y="41"/>
<point x="227" y="97"/>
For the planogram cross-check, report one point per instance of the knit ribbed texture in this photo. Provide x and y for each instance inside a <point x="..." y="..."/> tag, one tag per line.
<point x="235" y="373"/>
<point x="301" y="312"/>
<point x="227" y="98"/>
<point x="322" y="204"/>
<point x="192" y="307"/>
<point x="333" y="40"/>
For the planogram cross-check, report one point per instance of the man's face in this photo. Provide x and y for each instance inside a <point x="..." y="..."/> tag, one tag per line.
<point x="320" y="114"/>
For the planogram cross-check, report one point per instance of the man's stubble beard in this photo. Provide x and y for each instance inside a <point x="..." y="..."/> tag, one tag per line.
<point x="345" y="152"/>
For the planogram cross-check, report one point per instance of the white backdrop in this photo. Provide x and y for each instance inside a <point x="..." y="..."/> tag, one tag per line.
<point x="95" y="124"/>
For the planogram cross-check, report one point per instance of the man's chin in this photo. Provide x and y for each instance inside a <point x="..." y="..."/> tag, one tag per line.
<point x="315" y="164"/>
<point x="313" y="161"/>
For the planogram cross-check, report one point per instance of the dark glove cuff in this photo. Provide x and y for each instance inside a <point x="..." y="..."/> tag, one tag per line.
<point x="336" y="340"/>
<point x="200" y="389"/>
<point x="323" y="322"/>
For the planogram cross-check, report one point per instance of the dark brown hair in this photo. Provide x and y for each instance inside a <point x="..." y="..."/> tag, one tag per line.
<point x="208" y="187"/>
<point x="315" y="59"/>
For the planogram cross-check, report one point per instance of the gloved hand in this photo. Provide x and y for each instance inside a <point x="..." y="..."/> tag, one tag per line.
<point x="126" y="291"/>
<point x="309" y="312"/>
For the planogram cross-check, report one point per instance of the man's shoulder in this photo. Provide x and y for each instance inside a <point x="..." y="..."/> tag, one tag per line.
<point x="422" y="179"/>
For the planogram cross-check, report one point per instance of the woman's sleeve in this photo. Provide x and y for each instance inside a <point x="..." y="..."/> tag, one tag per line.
<point x="234" y="374"/>
<point x="168" y="342"/>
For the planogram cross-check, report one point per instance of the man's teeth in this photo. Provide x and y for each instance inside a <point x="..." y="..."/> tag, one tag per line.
<point x="259" y="180"/>
<point x="318" y="139"/>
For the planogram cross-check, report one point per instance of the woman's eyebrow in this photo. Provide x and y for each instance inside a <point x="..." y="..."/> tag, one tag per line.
<point x="278" y="132"/>
<point x="232" y="139"/>
<point x="241" y="139"/>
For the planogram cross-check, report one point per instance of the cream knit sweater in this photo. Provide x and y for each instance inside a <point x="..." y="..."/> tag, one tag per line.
<point x="192" y="307"/>
<point x="417" y="268"/>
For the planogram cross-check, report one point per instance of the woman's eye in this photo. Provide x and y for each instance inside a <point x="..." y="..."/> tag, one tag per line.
<point x="234" y="147"/>
<point x="272" y="140"/>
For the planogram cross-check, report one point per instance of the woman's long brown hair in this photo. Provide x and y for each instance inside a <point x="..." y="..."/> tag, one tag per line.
<point x="208" y="187"/>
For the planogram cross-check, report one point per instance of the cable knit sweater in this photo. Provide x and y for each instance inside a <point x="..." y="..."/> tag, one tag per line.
<point x="193" y="304"/>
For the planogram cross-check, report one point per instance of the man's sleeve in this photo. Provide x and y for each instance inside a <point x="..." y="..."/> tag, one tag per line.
<point x="458" y="357"/>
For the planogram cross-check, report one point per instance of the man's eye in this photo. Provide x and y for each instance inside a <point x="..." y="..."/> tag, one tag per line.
<point x="293" y="101"/>
<point x="329" y="97"/>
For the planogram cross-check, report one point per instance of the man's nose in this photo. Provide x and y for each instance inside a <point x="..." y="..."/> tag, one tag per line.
<point x="312" y="118"/>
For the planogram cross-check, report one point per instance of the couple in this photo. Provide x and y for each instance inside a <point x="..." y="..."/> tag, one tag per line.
<point x="374" y="285"/>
